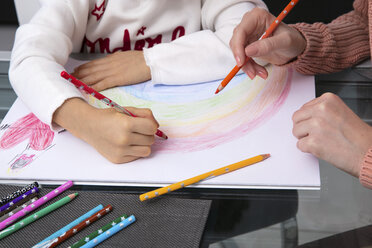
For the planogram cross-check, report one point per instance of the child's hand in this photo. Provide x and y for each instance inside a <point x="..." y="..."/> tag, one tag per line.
<point x="120" y="68"/>
<point x="285" y="43"/>
<point x="328" y="129"/>
<point x="118" y="137"/>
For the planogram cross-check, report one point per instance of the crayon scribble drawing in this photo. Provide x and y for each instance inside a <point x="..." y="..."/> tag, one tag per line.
<point x="28" y="128"/>
<point x="194" y="118"/>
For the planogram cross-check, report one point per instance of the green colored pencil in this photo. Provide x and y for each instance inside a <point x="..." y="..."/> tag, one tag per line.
<point x="94" y="234"/>
<point x="39" y="214"/>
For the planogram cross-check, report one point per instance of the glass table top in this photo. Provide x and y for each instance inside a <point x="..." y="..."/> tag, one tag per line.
<point x="288" y="218"/>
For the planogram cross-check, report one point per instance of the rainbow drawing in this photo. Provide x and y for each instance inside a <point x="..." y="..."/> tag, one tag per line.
<point x="195" y="118"/>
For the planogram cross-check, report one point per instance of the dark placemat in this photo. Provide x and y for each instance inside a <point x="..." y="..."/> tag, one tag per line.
<point x="161" y="222"/>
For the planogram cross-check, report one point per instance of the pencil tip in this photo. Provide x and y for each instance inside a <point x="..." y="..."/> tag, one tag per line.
<point x="72" y="196"/>
<point x="265" y="156"/>
<point x="220" y="87"/>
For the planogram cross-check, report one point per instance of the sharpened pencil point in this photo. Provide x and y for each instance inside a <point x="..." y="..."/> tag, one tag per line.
<point x="72" y="196"/>
<point x="265" y="156"/>
<point x="220" y="87"/>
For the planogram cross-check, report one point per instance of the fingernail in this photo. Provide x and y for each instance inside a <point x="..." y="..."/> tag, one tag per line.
<point x="238" y="61"/>
<point x="262" y="74"/>
<point x="251" y="75"/>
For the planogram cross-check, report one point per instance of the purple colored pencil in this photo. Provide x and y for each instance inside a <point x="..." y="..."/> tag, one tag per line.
<point x="17" y="193"/>
<point x="35" y="205"/>
<point x="18" y="199"/>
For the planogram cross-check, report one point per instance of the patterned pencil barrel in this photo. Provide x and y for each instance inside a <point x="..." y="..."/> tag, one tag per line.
<point x="17" y="209"/>
<point x="115" y="229"/>
<point x="22" y="198"/>
<point x="81" y="226"/>
<point x="35" y="205"/>
<point x="39" y="214"/>
<point x="204" y="176"/>
<point x="18" y="193"/>
<point x="94" y="234"/>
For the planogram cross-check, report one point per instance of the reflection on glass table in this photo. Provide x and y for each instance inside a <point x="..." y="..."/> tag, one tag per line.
<point x="340" y="214"/>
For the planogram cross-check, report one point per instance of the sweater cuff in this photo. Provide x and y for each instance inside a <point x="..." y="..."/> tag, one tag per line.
<point x="313" y="49"/>
<point x="365" y="174"/>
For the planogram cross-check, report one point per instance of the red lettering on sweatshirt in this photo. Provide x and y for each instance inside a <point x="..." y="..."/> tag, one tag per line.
<point x="104" y="43"/>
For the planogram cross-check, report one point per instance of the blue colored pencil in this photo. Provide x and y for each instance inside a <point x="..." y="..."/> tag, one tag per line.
<point x="47" y="241"/>
<point x="113" y="230"/>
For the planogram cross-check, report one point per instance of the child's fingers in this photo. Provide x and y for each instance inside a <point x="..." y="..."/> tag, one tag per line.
<point x="139" y="151"/>
<point x="94" y="77"/>
<point x="127" y="159"/>
<point x="103" y="84"/>
<point x="95" y="62"/>
<point x="143" y="126"/>
<point x="141" y="140"/>
<point x="143" y="112"/>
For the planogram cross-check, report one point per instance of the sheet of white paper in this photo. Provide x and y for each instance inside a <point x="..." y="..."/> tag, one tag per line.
<point x="206" y="131"/>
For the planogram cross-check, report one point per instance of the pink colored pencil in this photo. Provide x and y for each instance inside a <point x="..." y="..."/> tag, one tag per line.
<point x="99" y="96"/>
<point x="35" y="205"/>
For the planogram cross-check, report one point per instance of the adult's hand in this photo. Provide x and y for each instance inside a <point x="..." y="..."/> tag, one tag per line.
<point x="285" y="44"/>
<point x="328" y="129"/>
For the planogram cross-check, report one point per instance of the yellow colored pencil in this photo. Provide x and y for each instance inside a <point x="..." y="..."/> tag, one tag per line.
<point x="204" y="176"/>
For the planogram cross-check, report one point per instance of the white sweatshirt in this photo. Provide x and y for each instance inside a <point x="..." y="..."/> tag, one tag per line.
<point x="184" y="41"/>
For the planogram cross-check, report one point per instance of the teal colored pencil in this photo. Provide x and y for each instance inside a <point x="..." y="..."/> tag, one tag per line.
<point x="39" y="214"/>
<point x="94" y="234"/>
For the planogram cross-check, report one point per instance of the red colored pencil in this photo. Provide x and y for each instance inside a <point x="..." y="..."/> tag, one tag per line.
<point x="99" y="96"/>
<point x="81" y="226"/>
<point x="267" y="33"/>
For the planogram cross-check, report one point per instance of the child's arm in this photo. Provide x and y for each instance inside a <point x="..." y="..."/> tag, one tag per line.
<point x="204" y="55"/>
<point x="41" y="49"/>
<point x="196" y="57"/>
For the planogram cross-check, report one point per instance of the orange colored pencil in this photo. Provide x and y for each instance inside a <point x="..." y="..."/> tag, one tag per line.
<point x="204" y="176"/>
<point x="267" y="33"/>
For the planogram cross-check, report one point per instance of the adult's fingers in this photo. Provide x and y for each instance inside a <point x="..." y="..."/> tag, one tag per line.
<point x="302" y="114"/>
<point x="238" y="43"/>
<point x="265" y="47"/>
<point x="246" y="31"/>
<point x="301" y="130"/>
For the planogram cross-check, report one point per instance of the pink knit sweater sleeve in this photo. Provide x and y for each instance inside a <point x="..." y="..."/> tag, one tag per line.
<point x="365" y="174"/>
<point x="337" y="45"/>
